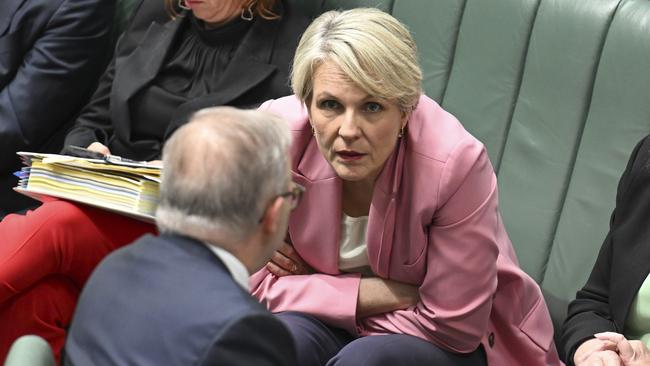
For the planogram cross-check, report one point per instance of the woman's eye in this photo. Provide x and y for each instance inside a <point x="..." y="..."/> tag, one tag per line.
<point x="373" y="107"/>
<point x="329" y="104"/>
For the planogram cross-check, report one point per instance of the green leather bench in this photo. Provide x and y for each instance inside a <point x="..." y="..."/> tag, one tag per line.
<point x="559" y="92"/>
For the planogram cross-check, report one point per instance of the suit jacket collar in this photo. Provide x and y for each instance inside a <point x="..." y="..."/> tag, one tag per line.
<point x="192" y="247"/>
<point x="9" y="7"/>
<point x="139" y="68"/>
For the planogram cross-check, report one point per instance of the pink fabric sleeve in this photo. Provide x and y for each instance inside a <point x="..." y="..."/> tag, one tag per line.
<point x="331" y="298"/>
<point x="456" y="293"/>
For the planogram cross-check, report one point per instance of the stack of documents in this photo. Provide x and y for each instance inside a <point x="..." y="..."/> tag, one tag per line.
<point x="127" y="188"/>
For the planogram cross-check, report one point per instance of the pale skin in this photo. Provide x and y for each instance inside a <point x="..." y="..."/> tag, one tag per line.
<point x="611" y="349"/>
<point x="356" y="133"/>
<point x="213" y="13"/>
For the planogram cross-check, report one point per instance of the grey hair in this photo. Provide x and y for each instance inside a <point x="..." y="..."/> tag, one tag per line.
<point x="371" y="47"/>
<point x="221" y="170"/>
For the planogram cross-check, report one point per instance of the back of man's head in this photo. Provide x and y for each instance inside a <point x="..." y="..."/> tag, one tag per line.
<point x="220" y="171"/>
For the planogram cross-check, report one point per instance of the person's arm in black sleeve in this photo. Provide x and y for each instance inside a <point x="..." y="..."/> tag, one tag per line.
<point x="260" y="340"/>
<point x="56" y="76"/>
<point x="590" y="312"/>
<point x="94" y="124"/>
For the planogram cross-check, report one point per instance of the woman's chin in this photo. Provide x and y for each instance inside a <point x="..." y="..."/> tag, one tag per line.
<point x="350" y="175"/>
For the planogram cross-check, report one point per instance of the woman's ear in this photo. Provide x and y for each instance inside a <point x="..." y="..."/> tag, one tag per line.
<point x="404" y="120"/>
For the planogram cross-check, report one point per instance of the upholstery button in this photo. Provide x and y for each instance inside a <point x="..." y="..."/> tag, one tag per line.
<point x="491" y="340"/>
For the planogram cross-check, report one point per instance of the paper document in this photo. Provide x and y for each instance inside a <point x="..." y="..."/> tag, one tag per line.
<point x="128" y="188"/>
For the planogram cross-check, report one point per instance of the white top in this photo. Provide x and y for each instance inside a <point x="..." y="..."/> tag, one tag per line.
<point x="353" y="254"/>
<point x="235" y="267"/>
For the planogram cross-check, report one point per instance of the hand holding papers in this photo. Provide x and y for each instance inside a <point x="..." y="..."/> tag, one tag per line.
<point x="112" y="183"/>
<point x="72" y="151"/>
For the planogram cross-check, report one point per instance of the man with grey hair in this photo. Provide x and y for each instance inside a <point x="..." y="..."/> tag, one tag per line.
<point x="181" y="298"/>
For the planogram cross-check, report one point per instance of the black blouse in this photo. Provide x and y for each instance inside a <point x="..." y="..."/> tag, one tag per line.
<point x="193" y="67"/>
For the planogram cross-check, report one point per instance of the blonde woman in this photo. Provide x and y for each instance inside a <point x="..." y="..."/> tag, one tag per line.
<point x="397" y="254"/>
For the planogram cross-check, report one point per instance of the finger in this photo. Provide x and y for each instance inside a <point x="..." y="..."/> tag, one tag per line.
<point x="157" y="163"/>
<point x="274" y="269"/>
<point x="99" y="147"/>
<point x="593" y="360"/>
<point x="283" y="262"/>
<point x="588" y="348"/>
<point x="290" y="252"/>
<point x="626" y="351"/>
<point x="607" y="345"/>
<point x="605" y="358"/>
<point x="610" y="336"/>
<point x="298" y="264"/>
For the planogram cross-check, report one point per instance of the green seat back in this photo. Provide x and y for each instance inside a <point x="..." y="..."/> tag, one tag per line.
<point x="30" y="350"/>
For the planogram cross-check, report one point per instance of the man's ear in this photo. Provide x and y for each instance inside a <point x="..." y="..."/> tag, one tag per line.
<point x="272" y="215"/>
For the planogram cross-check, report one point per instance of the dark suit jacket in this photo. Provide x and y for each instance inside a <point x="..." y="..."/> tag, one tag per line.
<point x="169" y="300"/>
<point x="52" y="52"/>
<point x="258" y="71"/>
<point x="622" y="264"/>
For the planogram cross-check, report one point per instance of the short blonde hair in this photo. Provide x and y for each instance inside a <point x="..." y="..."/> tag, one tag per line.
<point x="371" y="47"/>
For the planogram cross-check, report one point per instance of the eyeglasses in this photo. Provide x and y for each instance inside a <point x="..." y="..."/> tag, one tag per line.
<point x="294" y="195"/>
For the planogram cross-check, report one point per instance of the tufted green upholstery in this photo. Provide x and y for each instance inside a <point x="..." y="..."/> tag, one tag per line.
<point x="559" y="91"/>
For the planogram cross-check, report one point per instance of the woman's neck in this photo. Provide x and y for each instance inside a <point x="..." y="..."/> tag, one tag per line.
<point x="356" y="197"/>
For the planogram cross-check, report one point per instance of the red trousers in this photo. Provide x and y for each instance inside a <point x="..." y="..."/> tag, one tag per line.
<point x="46" y="256"/>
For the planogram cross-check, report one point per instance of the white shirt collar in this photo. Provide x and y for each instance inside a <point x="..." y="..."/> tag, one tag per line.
<point x="234" y="265"/>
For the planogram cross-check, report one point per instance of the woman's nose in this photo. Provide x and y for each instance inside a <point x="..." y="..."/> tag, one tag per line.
<point x="349" y="126"/>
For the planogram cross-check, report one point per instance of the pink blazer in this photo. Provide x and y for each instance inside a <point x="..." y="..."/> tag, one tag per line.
<point x="434" y="222"/>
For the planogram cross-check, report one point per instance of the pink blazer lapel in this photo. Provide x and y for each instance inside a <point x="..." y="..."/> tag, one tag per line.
<point x="315" y="225"/>
<point x="382" y="218"/>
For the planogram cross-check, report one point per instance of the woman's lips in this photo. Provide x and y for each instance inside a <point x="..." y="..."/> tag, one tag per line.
<point x="348" y="155"/>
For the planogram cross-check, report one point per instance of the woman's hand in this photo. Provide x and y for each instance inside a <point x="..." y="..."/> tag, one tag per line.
<point x="156" y="163"/>
<point x="99" y="147"/>
<point x="602" y="358"/>
<point x="611" y="348"/>
<point x="595" y="352"/>
<point x="286" y="261"/>
<point x="377" y="296"/>
<point x="631" y="353"/>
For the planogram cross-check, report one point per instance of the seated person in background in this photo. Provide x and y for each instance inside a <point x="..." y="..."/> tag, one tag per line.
<point x="182" y="298"/>
<point x="233" y="52"/>
<point x="609" y="321"/>
<point x="398" y="255"/>
<point x="52" y="53"/>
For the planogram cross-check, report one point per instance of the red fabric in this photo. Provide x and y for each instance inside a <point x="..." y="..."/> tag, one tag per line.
<point x="58" y="240"/>
<point x="45" y="309"/>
